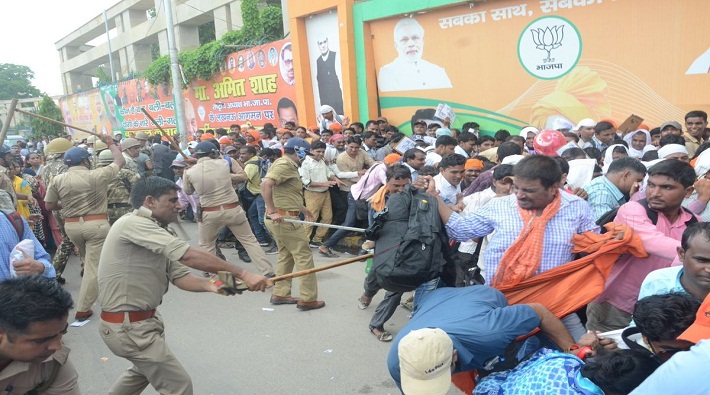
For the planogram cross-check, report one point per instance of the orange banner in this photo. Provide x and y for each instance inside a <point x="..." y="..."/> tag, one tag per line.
<point x="254" y="86"/>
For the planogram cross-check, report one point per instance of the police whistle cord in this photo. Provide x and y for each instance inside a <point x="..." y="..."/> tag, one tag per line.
<point x="172" y="141"/>
<point x="321" y="268"/>
<point x="296" y="221"/>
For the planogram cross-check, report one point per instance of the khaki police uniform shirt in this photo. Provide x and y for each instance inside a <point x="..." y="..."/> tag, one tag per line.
<point x="6" y="185"/>
<point x="138" y="260"/>
<point x="211" y="180"/>
<point x="288" y="188"/>
<point x="21" y="377"/>
<point x="82" y="191"/>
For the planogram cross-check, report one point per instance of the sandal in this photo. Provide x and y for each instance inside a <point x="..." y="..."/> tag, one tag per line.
<point x="361" y="304"/>
<point x="382" y="336"/>
<point x="328" y="253"/>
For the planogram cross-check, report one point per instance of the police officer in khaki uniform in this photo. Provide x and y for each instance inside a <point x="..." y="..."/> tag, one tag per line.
<point x="210" y="178"/>
<point x="119" y="188"/>
<point x="54" y="167"/>
<point x="5" y="183"/>
<point x="140" y="256"/>
<point x="99" y="147"/>
<point x="131" y="150"/>
<point x="81" y="194"/>
<point x="146" y="149"/>
<point x="34" y="311"/>
<point x="282" y="191"/>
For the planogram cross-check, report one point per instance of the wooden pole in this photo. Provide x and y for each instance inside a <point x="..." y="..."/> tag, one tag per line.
<point x="6" y="125"/>
<point x="321" y="268"/>
<point x="331" y="226"/>
<point x="172" y="141"/>
<point x="59" y="123"/>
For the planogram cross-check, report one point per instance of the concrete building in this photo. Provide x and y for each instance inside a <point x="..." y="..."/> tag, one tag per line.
<point x="20" y="121"/>
<point x="133" y="33"/>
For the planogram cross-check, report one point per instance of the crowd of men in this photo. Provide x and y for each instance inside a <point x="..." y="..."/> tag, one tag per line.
<point x="511" y="205"/>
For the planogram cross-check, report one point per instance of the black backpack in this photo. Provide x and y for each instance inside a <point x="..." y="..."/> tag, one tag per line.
<point x="411" y="246"/>
<point x="652" y="215"/>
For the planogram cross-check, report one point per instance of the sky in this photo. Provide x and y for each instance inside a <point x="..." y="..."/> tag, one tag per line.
<point x="30" y="29"/>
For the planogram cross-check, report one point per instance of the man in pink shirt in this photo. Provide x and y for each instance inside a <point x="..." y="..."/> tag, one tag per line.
<point x="668" y="183"/>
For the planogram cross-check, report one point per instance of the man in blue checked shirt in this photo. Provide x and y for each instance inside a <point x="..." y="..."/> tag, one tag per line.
<point x="37" y="264"/>
<point x="536" y="186"/>
<point x="611" y="190"/>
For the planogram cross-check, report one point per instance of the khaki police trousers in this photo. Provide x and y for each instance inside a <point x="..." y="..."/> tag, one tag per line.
<point x="88" y="237"/>
<point x="318" y="203"/>
<point x="292" y="242"/>
<point x="143" y="343"/>
<point x="236" y="220"/>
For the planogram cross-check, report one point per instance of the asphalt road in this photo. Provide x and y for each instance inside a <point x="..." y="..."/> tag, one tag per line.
<point x="243" y="345"/>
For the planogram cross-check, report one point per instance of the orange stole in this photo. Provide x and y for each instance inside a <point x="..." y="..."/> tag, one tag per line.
<point x="565" y="289"/>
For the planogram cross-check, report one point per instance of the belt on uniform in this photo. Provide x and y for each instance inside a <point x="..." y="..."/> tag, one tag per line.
<point x="223" y="206"/>
<point x="286" y="212"/>
<point x="119" y="205"/>
<point x="133" y="316"/>
<point x="92" y="217"/>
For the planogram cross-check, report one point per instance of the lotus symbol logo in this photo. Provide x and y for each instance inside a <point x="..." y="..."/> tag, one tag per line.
<point x="548" y="39"/>
<point x="548" y="34"/>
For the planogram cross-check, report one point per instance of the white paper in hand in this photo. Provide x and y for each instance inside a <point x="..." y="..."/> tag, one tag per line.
<point x="580" y="172"/>
<point x="26" y="246"/>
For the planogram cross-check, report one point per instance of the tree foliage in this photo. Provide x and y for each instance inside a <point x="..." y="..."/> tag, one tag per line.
<point x="158" y="71"/>
<point x="103" y="75"/>
<point x="206" y="33"/>
<point x="203" y="62"/>
<point x="252" y="20"/>
<point x="41" y="128"/>
<point x="15" y="82"/>
<point x="272" y="21"/>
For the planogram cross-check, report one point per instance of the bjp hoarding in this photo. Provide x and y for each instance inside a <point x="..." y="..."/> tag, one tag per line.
<point x="511" y="63"/>
<point x="254" y="86"/>
<point x="86" y="110"/>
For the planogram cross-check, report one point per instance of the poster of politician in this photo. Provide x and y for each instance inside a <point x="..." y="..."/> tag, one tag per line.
<point x="409" y="71"/>
<point x="324" y="55"/>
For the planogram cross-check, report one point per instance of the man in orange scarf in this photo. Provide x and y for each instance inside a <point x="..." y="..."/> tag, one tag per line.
<point x="536" y="221"/>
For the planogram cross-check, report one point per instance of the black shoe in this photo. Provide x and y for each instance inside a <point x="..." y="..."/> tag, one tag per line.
<point x="244" y="256"/>
<point x="273" y="250"/>
<point x="60" y="279"/>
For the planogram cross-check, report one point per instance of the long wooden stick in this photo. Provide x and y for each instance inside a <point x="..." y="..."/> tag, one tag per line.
<point x="6" y="125"/>
<point x="349" y="228"/>
<point x="321" y="268"/>
<point x="58" y="123"/>
<point x="172" y="142"/>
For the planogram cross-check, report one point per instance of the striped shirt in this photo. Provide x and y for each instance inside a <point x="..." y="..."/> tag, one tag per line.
<point x="604" y="196"/>
<point x="501" y="216"/>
